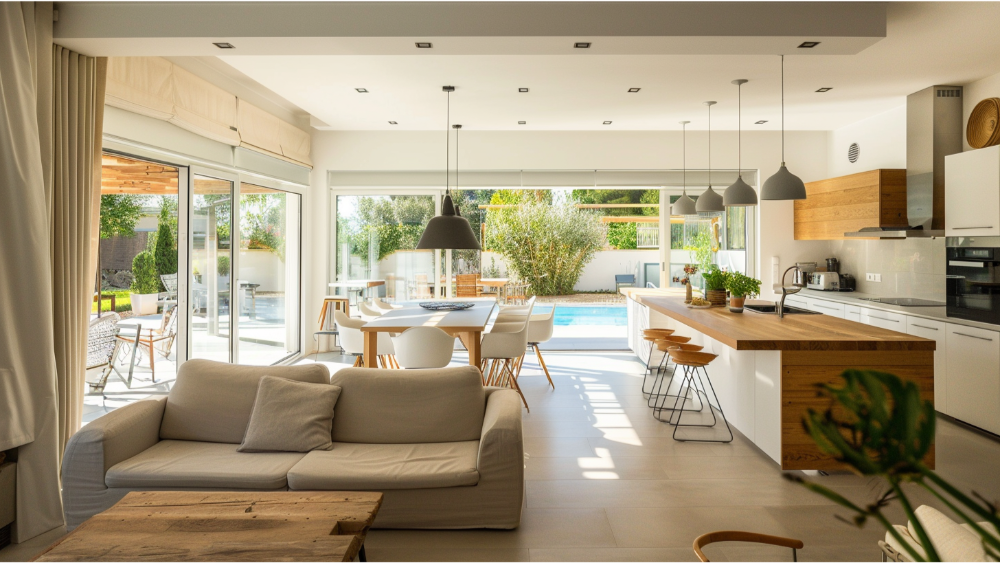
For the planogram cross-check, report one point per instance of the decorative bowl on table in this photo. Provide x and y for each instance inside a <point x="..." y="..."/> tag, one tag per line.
<point x="446" y="306"/>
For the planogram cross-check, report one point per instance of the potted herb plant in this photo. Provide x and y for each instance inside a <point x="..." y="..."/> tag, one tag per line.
<point x="740" y="287"/>
<point x="715" y="286"/>
<point x="145" y="284"/>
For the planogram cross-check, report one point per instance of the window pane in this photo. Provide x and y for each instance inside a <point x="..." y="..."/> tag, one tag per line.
<point x="211" y="268"/>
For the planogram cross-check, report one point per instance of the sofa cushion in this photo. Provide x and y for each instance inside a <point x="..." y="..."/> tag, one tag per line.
<point x="354" y="467"/>
<point x="290" y="416"/>
<point x="212" y="401"/>
<point x="394" y="406"/>
<point x="952" y="541"/>
<point x="183" y="464"/>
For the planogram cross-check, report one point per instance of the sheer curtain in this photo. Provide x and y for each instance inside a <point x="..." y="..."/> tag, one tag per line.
<point x="51" y="112"/>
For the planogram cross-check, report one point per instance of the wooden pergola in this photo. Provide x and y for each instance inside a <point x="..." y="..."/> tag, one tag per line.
<point x="122" y="175"/>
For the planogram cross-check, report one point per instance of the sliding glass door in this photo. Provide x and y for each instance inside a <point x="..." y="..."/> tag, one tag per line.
<point x="211" y="322"/>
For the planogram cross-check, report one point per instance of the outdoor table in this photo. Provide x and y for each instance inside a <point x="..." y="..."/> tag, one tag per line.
<point x="467" y="325"/>
<point x="360" y="285"/>
<point x="498" y="283"/>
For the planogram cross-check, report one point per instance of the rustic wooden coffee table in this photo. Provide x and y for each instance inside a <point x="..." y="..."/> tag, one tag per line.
<point x="210" y="526"/>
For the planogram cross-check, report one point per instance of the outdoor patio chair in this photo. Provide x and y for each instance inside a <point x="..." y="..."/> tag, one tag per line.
<point x="169" y="297"/>
<point x="420" y="288"/>
<point x="467" y="285"/>
<point x="624" y="280"/>
<point x="103" y="347"/>
<point x="157" y="339"/>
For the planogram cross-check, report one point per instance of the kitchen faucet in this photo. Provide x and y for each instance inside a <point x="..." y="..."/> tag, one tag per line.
<point x="785" y="291"/>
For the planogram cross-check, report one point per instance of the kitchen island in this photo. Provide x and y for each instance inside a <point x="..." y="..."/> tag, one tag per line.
<point x="768" y="367"/>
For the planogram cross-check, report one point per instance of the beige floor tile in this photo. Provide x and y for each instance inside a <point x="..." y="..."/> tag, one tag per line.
<point x="847" y="552"/>
<point x="678" y="527"/>
<point x="819" y="526"/>
<point x="658" y="446"/>
<point x="445" y="554"/>
<point x="31" y="548"/>
<point x="594" y="467"/>
<point x="557" y="447"/>
<point x="539" y="528"/>
<point x="619" y="554"/>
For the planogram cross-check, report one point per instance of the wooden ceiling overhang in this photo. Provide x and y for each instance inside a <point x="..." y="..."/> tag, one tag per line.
<point x="122" y="175"/>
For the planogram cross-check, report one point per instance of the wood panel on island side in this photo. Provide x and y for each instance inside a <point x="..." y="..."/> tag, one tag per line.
<point x="768" y="368"/>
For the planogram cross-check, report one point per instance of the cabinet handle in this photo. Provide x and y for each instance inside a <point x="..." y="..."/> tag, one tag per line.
<point x="882" y="318"/>
<point x="976" y="337"/>
<point x="965" y="264"/>
<point x="922" y="326"/>
<point x="966" y="228"/>
<point x="827" y="307"/>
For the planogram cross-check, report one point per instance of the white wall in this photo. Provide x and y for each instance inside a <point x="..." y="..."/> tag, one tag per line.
<point x="263" y="267"/>
<point x="882" y="139"/>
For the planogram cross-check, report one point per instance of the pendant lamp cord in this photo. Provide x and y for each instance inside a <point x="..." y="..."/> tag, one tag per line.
<point x="739" y="130"/>
<point x="447" y="149"/>
<point x="710" y="145"/>
<point x="457" y="131"/>
<point x="782" y="110"/>
<point x="685" y="157"/>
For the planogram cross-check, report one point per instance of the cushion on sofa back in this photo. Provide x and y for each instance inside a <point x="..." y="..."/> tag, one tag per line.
<point x="212" y="401"/>
<point x="397" y="406"/>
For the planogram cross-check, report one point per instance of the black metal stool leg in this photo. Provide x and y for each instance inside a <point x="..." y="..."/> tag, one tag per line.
<point x="712" y="408"/>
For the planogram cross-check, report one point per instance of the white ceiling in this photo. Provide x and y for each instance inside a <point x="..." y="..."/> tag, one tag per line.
<point x="926" y="44"/>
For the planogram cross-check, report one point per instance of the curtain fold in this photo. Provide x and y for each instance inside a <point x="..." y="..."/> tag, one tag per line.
<point x="51" y="112"/>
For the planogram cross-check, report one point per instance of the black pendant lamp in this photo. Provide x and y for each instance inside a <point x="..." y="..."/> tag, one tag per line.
<point x="783" y="185"/>
<point x="449" y="230"/>
<point x="709" y="201"/>
<point x="740" y="194"/>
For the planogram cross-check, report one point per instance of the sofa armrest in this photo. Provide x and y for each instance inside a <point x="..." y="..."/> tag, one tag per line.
<point x="501" y="446"/>
<point x="109" y="440"/>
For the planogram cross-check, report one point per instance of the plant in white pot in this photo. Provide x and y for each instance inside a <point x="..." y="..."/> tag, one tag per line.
<point x="145" y="284"/>
<point x="740" y="287"/>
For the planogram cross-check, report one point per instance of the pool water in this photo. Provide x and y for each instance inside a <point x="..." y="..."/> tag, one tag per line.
<point x="596" y="315"/>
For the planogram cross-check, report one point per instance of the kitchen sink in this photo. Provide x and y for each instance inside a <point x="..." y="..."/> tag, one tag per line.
<point x="773" y="309"/>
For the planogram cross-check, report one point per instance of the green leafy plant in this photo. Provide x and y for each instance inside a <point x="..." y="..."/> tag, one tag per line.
<point x="222" y="264"/>
<point x="165" y="250"/>
<point x="702" y="249"/>
<point x="119" y="214"/>
<point x="622" y="236"/>
<point x="144" y="270"/>
<point x="545" y="245"/>
<point x="878" y="425"/>
<point x="740" y="285"/>
<point x="715" y="278"/>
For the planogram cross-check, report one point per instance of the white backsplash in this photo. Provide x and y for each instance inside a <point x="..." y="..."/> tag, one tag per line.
<point x="909" y="267"/>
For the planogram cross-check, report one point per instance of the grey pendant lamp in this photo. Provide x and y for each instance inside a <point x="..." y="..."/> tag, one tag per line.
<point x="449" y="230"/>
<point x="740" y="194"/>
<point x="783" y="185"/>
<point x="709" y="201"/>
<point x="684" y="205"/>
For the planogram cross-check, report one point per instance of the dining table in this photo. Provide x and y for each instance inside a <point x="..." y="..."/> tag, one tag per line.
<point x="465" y="324"/>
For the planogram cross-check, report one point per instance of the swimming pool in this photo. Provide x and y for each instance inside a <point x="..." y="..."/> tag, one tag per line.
<point x="589" y="315"/>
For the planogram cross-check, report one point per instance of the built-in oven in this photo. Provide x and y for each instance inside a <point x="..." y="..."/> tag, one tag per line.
<point x="973" y="278"/>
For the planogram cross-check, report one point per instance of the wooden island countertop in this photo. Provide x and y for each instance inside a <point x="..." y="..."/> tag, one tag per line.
<point x="755" y="331"/>
<point x="767" y="368"/>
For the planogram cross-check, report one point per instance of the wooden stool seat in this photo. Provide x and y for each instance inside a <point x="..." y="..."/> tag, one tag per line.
<point x="651" y="331"/>
<point x="674" y="338"/>
<point x="666" y="345"/>
<point x="690" y="358"/>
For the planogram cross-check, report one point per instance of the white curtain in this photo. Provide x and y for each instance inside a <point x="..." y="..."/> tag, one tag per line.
<point x="49" y="147"/>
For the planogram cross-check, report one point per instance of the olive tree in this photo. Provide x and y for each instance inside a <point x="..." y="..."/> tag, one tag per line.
<point x="545" y="245"/>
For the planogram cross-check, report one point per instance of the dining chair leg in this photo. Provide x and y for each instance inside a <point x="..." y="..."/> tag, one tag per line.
<point x="359" y="362"/>
<point x="516" y="387"/>
<point x="541" y="362"/>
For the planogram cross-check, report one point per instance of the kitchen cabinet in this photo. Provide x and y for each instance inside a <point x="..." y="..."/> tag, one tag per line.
<point x="884" y="319"/>
<point x="828" y="308"/>
<point x="798" y="301"/>
<point x="876" y="198"/>
<point x="852" y="313"/>
<point x="973" y="376"/>
<point x="936" y="331"/>
<point x="972" y="193"/>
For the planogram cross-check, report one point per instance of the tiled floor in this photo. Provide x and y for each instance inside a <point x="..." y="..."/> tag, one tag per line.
<point x="606" y="482"/>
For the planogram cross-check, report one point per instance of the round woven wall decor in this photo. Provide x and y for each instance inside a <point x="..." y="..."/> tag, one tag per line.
<point x="982" y="130"/>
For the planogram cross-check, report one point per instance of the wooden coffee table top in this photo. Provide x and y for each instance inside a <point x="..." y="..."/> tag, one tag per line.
<point x="210" y="526"/>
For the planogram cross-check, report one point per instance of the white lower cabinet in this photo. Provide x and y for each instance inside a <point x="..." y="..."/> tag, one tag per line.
<point x="973" y="376"/>
<point x="884" y="319"/>
<point x="828" y="308"/>
<point x="852" y="313"/>
<point x="936" y="331"/>
<point x="797" y="301"/>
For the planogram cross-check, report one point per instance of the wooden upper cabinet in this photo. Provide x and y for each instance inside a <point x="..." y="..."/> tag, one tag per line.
<point x="876" y="198"/>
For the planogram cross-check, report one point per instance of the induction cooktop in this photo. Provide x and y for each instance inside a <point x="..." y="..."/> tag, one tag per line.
<point x="905" y="301"/>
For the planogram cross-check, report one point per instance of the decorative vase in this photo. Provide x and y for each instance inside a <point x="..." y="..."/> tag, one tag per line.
<point x="736" y="304"/>
<point x="717" y="297"/>
<point x="687" y="292"/>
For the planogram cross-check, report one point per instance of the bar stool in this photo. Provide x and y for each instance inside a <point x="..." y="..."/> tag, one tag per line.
<point x="650" y="335"/>
<point x="696" y="377"/>
<point x="339" y="304"/>
<point x="662" y="392"/>
<point x="662" y="343"/>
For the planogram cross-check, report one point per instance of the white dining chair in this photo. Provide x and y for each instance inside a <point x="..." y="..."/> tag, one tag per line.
<point x="502" y="351"/>
<point x="515" y="313"/>
<point x="423" y="347"/>
<point x="352" y="340"/>
<point x="368" y="313"/>
<point x="540" y="328"/>
<point x="383" y="306"/>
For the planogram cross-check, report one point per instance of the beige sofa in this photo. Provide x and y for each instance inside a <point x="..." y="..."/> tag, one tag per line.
<point x="445" y="451"/>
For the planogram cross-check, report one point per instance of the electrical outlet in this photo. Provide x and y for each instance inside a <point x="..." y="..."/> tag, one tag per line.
<point x="873" y="277"/>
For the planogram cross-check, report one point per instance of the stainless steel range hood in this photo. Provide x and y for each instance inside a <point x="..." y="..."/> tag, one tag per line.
<point x="933" y="131"/>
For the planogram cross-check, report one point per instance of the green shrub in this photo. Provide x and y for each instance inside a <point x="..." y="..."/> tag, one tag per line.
<point x="144" y="269"/>
<point x="622" y="236"/>
<point x="223" y="265"/>
<point x="165" y="253"/>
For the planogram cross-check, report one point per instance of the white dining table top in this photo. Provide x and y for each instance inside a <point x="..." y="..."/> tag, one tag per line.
<point x="357" y="283"/>
<point x="412" y="315"/>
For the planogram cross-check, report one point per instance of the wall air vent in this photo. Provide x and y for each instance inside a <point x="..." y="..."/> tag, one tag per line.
<point x="949" y="93"/>
<point x="853" y="152"/>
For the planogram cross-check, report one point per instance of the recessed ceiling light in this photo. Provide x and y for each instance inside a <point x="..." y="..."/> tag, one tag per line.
<point x="581" y="45"/>
<point x="761" y="122"/>
<point x="423" y="45"/>
<point x="224" y="45"/>
<point x="808" y="44"/>
<point x="607" y="123"/>
<point x="824" y="89"/>
<point x="361" y="90"/>
<point x="522" y="90"/>
<point x="634" y="90"/>
<point x="393" y="123"/>
<point x="522" y="122"/>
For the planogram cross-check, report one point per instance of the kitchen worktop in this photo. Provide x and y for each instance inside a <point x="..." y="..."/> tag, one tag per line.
<point x="756" y="331"/>
<point x="856" y="298"/>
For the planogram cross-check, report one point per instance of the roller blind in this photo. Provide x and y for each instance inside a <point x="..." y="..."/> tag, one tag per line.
<point x="157" y="88"/>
